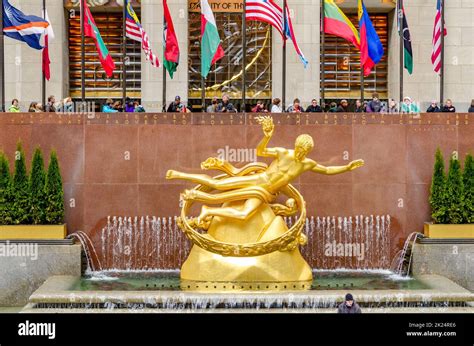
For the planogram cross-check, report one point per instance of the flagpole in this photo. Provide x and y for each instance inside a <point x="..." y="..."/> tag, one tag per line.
<point x="124" y="55"/>
<point x="2" y="65"/>
<point x="164" y="69"/>
<point x="43" y="79"/>
<point x="203" y="94"/>
<point x="83" y="56"/>
<point x="362" y="86"/>
<point x="441" y="72"/>
<point x="400" y="32"/>
<point x="283" y="93"/>
<point x="244" y="56"/>
<point x="323" y="57"/>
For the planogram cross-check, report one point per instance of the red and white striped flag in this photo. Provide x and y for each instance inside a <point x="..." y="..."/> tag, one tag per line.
<point x="265" y="11"/>
<point x="134" y="31"/>
<point x="436" y="53"/>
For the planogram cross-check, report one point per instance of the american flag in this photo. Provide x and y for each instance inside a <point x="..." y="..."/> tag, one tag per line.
<point x="265" y="11"/>
<point x="436" y="53"/>
<point x="135" y="31"/>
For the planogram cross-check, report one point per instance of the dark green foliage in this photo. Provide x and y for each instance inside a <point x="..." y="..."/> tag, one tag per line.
<point x="468" y="180"/>
<point x="21" y="207"/>
<point x="54" y="192"/>
<point x="37" y="189"/>
<point x="5" y="191"/>
<point x="455" y="192"/>
<point x="438" y="191"/>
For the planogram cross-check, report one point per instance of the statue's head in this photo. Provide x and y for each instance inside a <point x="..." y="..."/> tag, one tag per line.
<point x="303" y="146"/>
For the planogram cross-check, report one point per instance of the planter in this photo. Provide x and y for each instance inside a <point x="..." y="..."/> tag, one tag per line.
<point x="32" y="232"/>
<point x="443" y="231"/>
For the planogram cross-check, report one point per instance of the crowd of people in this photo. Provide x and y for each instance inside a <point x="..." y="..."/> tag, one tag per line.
<point x="375" y="105"/>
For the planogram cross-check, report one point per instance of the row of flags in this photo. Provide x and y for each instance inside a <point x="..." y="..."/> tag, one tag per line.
<point x="37" y="33"/>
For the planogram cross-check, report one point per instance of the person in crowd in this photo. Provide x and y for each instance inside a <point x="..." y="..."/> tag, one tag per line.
<point x="118" y="106"/>
<point x="314" y="107"/>
<point x="349" y="306"/>
<point x="259" y="108"/>
<point x="471" y="109"/>
<point x="108" y="107"/>
<point x="67" y="106"/>
<point x="32" y="108"/>
<point x="129" y="105"/>
<point x="408" y="106"/>
<point x="448" y="107"/>
<point x="343" y="107"/>
<point x="212" y="108"/>
<point x="276" y="108"/>
<point x="50" y="105"/>
<point x="374" y="106"/>
<point x="433" y="108"/>
<point x="138" y="108"/>
<point x="14" y="108"/>
<point x="39" y="107"/>
<point x="392" y="107"/>
<point x="295" y="107"/>
<point x="176" y="106"/>
<point x="359" y="108"/>
<point x="332" y="107"/>
<point x="226" y="106"/>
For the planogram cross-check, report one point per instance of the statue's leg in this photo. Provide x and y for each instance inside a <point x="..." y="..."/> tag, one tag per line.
<point x="218" y="198"/>
<point x="223" y="184"/>
<point x="249" y="208"/>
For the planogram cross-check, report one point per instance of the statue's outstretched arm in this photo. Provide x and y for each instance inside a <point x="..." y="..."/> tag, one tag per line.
<point x="331" y="170"/>
<point x="268" y="128"/>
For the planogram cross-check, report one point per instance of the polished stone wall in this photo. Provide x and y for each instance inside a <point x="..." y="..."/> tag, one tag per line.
<point x="115" y="164"/>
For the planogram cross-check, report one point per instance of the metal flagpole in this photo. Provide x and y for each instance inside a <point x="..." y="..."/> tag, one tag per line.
<point x="283" y="93"/>
<point x="323" y="57"/>
<point x="203" y="94"/>
<point x="43" y="80"/>
<point x="362" y="86"/>
<point x="164" y="69"/>
<point x="83" y="57"/>
<point x="441" y="72"/>
<point x="2" y="65"/>
<point x="124" y="55"/>
<point x="244" y="56"/>
<point x="400" y="31"/>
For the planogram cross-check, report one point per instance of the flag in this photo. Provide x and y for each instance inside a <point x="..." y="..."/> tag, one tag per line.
<point x="336" y="23"/>
<point x="211" y="48"/>
<point x="170" y="43"/>
<point x="371" y="49"/>
<point x="91" y="30"/>
<point x="21" y="27"/>
<point x="48" y="37"/>
<point x="404" y="32"/>
<point x="436" y="53"/>
<point x="135" y="31"/>
<point x="290" y="33"/>
<point x="269" y="12"/>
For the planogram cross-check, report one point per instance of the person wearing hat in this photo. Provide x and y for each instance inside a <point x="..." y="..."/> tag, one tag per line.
<point x="408" y="106"/>
<point x="176" y="106"/>
<point x="349" y="306"/>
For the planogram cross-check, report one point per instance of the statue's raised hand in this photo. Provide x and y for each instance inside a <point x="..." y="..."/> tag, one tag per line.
<point x="267" y="124"/>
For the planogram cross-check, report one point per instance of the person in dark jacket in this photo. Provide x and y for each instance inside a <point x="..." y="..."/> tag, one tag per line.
<point x="359" y="108"/>
<point x="332" y="107"/>
<point x="349" y="306"/>
<point x="343" y="107"/>
<point x="471" y="109"/>
<point x="314" y="107"/>
<point x="375" y="105"/>
<point x="226" y="106"/>
<point x="175" y="106"/>
<point x="433" y="108"/>
<point x="129" y="105"/>
<point x="295" y="107"/>
<point x="50" y="106"/>
<point x="448" y="107"/>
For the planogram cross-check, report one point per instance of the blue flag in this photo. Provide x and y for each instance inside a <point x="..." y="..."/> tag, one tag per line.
<point x="21" y="27"/>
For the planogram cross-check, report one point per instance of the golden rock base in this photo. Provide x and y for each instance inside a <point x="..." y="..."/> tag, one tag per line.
<point x="288" y="266"/>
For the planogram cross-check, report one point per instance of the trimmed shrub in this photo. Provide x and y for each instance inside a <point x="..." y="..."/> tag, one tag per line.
<point x="54" y="192"/>
<point x="20" y="211"/>
<point x="468" y="181"/>
<point x="455" y="193"/>
<point x="37" y="189"/>
<point x="5" y="191"/>
<point x="438" y="191"/>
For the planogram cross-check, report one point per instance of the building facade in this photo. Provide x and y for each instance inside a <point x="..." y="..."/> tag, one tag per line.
<point x="264" y="54"/>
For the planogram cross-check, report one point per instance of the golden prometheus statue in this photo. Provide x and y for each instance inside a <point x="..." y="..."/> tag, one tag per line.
<point x="245" y="239"/>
